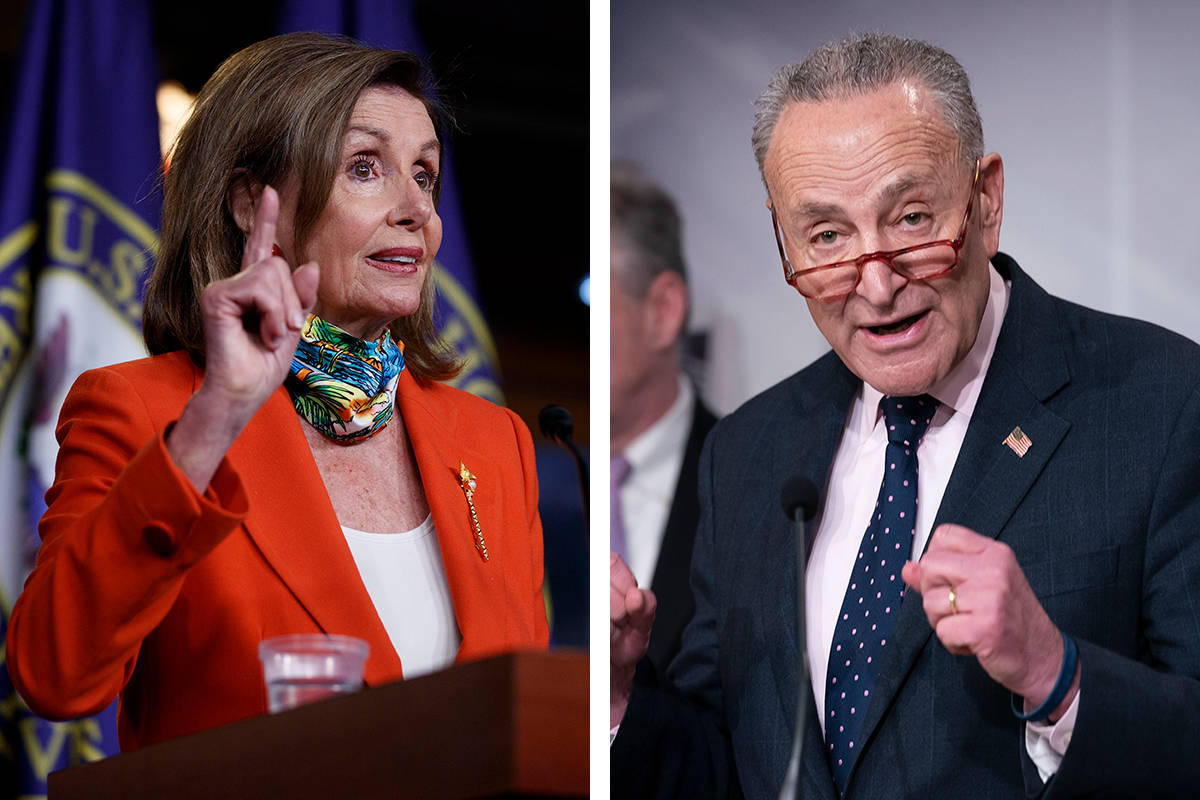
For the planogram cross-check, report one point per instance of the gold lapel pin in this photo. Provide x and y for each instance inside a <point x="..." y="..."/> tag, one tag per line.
<point x="468" y="483"/>
<point x="1018" y="442"/>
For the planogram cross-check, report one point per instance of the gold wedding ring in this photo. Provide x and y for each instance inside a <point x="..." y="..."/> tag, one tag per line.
<point x="953" y="600"/>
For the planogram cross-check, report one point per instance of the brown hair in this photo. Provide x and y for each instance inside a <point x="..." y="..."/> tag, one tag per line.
<point x="278" y="108"/>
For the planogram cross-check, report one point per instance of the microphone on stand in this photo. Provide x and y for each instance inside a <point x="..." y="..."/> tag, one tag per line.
<point x="799" y="498"/>
<point x="557" y="426"/>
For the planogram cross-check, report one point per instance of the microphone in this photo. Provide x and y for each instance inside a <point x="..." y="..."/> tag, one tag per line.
<point x="555" y="422"/>
<point x="557" y="426"/>
<point x="799" y="499"/>
<point x="798" y="493"/>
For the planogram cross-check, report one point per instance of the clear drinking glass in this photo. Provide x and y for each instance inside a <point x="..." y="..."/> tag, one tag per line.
<point x="305" y="667"/>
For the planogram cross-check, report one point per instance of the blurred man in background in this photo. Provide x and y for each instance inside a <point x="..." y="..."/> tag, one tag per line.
<point x="658" y="421"/>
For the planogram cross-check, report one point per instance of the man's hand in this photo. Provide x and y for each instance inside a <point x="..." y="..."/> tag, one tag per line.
<point x="631" y="615"/>
<point x="999" y="620"/>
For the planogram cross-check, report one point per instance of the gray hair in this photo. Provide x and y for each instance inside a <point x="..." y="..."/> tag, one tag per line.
<point x="647" y="220"/>
<point x="865" y="63"/>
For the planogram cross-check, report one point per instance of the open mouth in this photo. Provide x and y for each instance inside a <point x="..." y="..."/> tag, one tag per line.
<point x="395" y="259"/>
<point x="899" y="326"/>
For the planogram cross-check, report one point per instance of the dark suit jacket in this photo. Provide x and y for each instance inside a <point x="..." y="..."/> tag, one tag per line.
<point x="1103" y="514"/>
<point x="670" y="583"/>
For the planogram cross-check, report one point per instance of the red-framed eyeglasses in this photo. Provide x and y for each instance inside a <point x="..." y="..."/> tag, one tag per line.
<point x="921" y="262"/>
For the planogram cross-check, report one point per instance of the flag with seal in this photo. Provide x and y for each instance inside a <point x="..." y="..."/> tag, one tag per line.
<point x="80" y="207"/>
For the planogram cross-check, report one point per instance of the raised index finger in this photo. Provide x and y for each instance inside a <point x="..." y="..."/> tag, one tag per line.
<point x="262" y="235"/>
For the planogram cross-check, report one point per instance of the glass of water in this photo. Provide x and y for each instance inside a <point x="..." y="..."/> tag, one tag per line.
<point x="305" y="667"/>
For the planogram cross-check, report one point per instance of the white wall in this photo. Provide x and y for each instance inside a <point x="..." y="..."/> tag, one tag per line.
<point x="1094" y="106"/>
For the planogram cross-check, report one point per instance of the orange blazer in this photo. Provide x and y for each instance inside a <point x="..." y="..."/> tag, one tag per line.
<point x="147" y="589"/>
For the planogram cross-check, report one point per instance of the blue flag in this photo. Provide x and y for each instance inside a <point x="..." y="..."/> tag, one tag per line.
<point x="389" y="24"/>
<point x="78" y="213"/>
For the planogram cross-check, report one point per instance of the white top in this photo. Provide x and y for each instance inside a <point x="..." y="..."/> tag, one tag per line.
<point x="405" y="578"/>
<point x="854" y="480"/>
<point x="655" y="459"/>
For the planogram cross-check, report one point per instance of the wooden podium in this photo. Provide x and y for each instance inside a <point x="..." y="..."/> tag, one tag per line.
<point x="511" y="726"/>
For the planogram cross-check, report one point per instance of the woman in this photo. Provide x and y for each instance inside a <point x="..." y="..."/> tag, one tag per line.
<point x="234" y="486"/>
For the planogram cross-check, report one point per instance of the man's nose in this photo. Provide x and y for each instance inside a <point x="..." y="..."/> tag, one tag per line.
<point x="879" y="283"/>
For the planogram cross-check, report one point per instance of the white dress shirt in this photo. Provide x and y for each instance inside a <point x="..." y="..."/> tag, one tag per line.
<point x="854" y="480"/>
<point x="655" y="458"/>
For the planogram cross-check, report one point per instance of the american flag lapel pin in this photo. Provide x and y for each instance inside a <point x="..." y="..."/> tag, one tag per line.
<point x="1018" y="442"/>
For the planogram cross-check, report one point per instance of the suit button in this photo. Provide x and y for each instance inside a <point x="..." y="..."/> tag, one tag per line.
<point x="159" y="539"/>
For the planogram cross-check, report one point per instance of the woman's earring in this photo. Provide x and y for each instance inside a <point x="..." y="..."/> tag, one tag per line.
<point x="275" y="251"/>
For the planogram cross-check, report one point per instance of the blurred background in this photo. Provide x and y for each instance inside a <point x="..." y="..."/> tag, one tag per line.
<point x="516" y="78"/>
<point x="1092" y="104"/>
<point x="77" y="75"/>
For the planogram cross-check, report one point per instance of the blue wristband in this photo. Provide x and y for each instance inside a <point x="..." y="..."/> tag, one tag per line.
<point x="1063" y="685"/>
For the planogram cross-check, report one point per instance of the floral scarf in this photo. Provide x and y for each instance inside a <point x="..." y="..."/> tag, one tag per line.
<point x="343" y="386"/>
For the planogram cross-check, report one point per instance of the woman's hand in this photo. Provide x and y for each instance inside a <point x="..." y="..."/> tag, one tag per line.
<point x="252" y="324"/>
<point x="252" y="320"/>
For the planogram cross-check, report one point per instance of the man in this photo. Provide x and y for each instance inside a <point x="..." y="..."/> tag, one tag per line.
<point x="658" y="422"/>
<point x="1055" y="515"/>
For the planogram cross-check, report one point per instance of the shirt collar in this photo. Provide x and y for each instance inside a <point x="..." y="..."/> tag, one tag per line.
<point x="668" y="433"/>
<point x="959" y="390"/>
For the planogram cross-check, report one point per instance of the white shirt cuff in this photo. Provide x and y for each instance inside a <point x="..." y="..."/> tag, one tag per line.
<point x="1047" y="743"/>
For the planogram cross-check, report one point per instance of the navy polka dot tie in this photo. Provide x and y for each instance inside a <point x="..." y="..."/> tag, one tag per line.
<point x="873" y="597"/>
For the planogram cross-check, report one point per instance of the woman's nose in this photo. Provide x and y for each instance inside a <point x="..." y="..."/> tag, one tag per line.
<point x="413" y="205"/>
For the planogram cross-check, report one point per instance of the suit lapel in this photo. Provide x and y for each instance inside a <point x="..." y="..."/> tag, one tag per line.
<point x="476" y="586"/>
<point x="989" y="479"/>
<point x="295" y="528"/>
<point x="294" y="525"/>
<point x="815" y="776"/>
<point x="804" y="442"/>
<point x="670" y="574"/>
<point x="670" y="582"/>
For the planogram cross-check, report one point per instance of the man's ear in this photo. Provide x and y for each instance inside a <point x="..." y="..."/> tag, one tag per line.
<point x="241" y="198"/>
<point x="668" y="303"/>
<point x="991" y="200"/>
